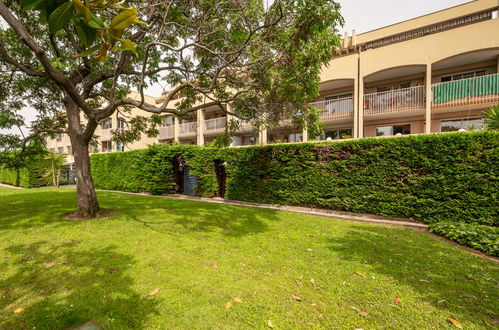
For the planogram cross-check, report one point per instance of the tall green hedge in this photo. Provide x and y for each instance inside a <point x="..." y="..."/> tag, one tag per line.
<point x="32" y="174"/>
<point x="430" y="178"/>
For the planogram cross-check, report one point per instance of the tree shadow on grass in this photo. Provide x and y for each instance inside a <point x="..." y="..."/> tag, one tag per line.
<point x="188" y="216"/>
<point x="461" y="283"/>
<point x="35" y="208"/>
<point x="76" y="287"/>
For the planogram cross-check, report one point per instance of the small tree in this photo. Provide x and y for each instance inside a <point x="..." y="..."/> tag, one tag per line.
<point x="263" y="60"/>
<point x="491" y="117"/>
<point x="56" y="162"/>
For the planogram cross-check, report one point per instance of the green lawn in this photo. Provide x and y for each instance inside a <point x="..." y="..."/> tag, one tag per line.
<point x="103" y="270"/>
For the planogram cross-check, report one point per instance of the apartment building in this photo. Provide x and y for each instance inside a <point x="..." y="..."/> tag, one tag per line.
<point x="433" y="73"/>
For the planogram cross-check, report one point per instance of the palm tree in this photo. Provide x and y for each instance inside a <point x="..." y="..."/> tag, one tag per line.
<point x="491" y="118"/>
<point x="56" y="161"/>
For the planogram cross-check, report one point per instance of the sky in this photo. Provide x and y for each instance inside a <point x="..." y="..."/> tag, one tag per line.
<point x="363" y="16"/>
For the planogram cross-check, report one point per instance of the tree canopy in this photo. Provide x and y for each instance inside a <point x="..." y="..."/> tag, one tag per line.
<point x="76" y="62"/>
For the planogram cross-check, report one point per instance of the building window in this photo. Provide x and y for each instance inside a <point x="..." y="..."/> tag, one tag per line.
<point x="120" y="146"/>
<point x="393" y="87"/>
<point x="296" y="137"/>
<point x="252" y="140"/>
<point x="121" y="123"/>
<point x="107" y="146"/>
<point x="60" y="150"/>
<point x="337" y="97"/>
<point x="463" y="123"/>
<point x="59" y="137"/>
<point x="168" y="121"/>
<point x="393" y="130"/>
<point x="107" y="123"/>
<point x="465" y="75"/>
<point x="70" y="150"/>
<point x="337" y="134"/>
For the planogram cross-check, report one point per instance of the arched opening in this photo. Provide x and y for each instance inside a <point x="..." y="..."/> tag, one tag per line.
<point x="221" y="174"/>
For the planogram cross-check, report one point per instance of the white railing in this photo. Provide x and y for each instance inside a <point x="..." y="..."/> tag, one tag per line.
<point x="335" y="109"/>
<point x="405" y="99"/>
<point x="466" y="92"/>
<point x="188" y="128"/>
<point x="217" y="124"/>
<point x="167" y="132"/>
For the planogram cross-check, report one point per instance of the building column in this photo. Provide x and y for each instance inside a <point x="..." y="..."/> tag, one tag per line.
<point x="305" y="133"/>
<point x="355" y="109"/>
<point x="200" y="124"/>
<point x="176" y="128"/>
<point x="429" y="98"/>
<point x="262" y="136"/>
<point x="361" y="107"/>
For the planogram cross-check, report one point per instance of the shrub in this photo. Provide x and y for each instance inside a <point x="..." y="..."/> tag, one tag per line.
<point x="35" y="172"/>
<point x="429" y="178"/>
<point x="483" y="238"/>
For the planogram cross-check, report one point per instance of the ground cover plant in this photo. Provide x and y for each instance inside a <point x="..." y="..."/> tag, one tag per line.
<point x="160" y="263"/>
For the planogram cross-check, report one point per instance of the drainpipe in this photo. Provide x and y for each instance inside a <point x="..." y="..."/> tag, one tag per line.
<point x="360" y="91"/>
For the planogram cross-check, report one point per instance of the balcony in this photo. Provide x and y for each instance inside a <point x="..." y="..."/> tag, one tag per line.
<point x="188" y="129"/>
<point x="476" y="91"/>
<point x="166" y="133"/>
<point x="394" y="101"/>
<point x="215" y="125"/>
<point x="335" y="109"/>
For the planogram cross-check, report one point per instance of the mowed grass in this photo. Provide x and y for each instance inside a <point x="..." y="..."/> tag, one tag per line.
<point x="203" y="255"/>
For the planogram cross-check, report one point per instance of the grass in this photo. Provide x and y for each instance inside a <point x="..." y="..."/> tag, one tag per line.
<point x="262" y="256"/>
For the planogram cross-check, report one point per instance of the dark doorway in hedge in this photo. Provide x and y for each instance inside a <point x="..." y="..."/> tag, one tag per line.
<point x="221" y="174"/>
<point x="178" y="168"/>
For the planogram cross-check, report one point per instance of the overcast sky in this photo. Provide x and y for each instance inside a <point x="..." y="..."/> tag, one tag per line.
<point x="366" y="15"/>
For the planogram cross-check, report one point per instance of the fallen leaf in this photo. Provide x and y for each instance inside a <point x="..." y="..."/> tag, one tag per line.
<point x="153" y="292"/>
<point x="228" y="305"/>
<point x="455" y="323"/>
<point x="238" y="300"/>
<point x="313" y="304"/>
<point x="214" y="266"/>
<point x="297" y="298"/>
<point x="269" y="323"/>
<point x="397" y="301"/>
<point x="49" y="265"/>
<point x="354" y="308"/>
<point x="114" y="270"/>
<point x="360" y="274"/>
<point x="425" y="281"/>
<point x="254" y="275"/>
<point x="19" y="310"/>
<point x="298" y="284"/>
<point x="363" y="314"/>
<point x="309" y="250"/>
<point x="63" y="263"/>
<point x="245" y="265"/>
<point x="310" y="235"/>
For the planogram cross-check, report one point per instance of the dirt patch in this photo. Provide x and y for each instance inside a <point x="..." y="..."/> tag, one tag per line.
<point x="100" y="214"/>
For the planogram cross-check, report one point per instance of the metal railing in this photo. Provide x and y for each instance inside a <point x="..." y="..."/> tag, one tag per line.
<point x="466" y="92"/>
<point x="217" y="124"/>
<point x="335" y="109"/>
<point x="188" y="129"/>
<point x="405" y="99"/>
<point x="167" y="132"/>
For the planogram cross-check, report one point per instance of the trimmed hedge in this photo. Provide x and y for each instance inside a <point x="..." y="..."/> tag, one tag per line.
<point x="31" y="175"/>
<point x="483" y="238"/>
<point x="429" y="178"/>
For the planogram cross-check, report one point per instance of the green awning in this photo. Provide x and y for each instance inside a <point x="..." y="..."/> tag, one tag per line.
<point x="459" y="89"/>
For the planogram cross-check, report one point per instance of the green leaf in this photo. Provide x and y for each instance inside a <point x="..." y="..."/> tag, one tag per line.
<point x="86" y="34"/>
<point x="60" y="17"/>
<point x="89" y="51"/>
<point x="124" y="19"/>
<point x="129" y="45"/>
<point x="34" y="4"/>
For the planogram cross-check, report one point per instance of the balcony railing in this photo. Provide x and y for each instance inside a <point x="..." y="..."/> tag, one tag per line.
<point x="217" y="124"/>
<point x="466" y="92"/>
<point x="167" y="132"/>
<point x="335" y="109"/>
<point x="405" y="99"/>
<point x="188" y="129"/>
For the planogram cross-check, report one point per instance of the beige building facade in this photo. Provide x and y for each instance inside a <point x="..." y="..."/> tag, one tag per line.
<point x="433" y="73"/>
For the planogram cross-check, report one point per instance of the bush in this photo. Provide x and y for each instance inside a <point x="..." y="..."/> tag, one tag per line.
<point x="429" y="178"/>
<point x="33" y="173"/>
<point x="483" y="238"/>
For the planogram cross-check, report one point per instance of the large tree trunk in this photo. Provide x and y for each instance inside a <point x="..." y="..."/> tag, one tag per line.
<point x="88" y="205"/>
